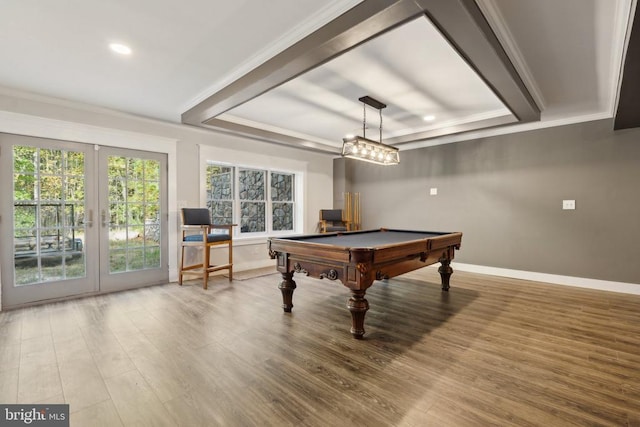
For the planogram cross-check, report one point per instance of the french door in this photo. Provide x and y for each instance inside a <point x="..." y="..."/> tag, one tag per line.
<point x="81" y="218"/>
<point x="132" y="218"/>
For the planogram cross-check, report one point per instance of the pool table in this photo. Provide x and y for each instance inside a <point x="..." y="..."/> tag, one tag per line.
<point x="358" y="258"/>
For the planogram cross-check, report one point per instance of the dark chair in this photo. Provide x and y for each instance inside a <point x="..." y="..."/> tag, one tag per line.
<point x="331" y="220"/>
<point x="197" y="232"/>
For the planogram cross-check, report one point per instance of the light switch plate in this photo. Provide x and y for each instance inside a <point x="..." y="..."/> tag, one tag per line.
<point x="433" y="191"/>
<point x="568" y="204"/>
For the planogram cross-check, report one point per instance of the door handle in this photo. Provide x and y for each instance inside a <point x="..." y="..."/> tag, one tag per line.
<point x="89" y="222"/>
<point x="103" y="214"/>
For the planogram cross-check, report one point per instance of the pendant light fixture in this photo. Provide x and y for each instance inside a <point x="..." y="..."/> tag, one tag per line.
<point x="361" y="148"/>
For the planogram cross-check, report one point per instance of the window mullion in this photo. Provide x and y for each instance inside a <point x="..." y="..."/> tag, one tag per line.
<point x="236" y="197"/>
<point x="268" y="208"/>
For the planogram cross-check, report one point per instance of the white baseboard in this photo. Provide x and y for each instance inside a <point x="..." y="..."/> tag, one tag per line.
<point x="252" y="265"/>
<point x="580" y="282"/>
<point x="237" y="267"/>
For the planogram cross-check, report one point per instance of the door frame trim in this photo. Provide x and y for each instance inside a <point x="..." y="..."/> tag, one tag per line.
<point x="42" y="127"/>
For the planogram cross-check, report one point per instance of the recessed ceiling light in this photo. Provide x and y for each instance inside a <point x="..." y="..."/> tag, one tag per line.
<point x="429" y="118"/>
<point x="120" y="48"/>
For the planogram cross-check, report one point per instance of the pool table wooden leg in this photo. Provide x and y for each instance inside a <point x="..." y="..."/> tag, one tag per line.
<point x="287" y="287"/>
<point x="358" y="307"/>
<point x="445" y="273"/>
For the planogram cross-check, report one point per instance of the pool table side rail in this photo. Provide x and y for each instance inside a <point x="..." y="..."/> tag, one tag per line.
<point x="323" y="253"/>
<point x="304" y="239"/>
<point x="424" y="246"/>
<point x="312" y="250"/>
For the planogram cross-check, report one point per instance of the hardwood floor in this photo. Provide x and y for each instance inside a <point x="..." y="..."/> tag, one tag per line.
<point x="492" y="351"/>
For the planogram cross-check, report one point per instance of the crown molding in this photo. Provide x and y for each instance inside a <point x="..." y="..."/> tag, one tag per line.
<point x="92" y="108"/>
<point x="507" y="129"/>
<point x="502" y="32"/>
<point x="449" y="125"/>
<point x="43" y="127"/>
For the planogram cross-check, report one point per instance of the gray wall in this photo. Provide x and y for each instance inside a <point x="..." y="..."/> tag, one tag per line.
<point x="505" y="194"/>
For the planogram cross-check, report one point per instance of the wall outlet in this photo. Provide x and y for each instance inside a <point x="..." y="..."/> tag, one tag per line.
<point x="568" y="204"/>
<point x="433" y="191"/>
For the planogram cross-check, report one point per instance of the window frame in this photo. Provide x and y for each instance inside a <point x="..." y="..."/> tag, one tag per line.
<point x="237" y="159"/>
<point x="232" y="185"/>
<point x="292" y="201"/>
<point x="237" y="211"/>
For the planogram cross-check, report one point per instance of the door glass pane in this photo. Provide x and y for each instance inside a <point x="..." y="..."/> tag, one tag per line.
<point x="134" y="214"/>
<point x="48" y="213"/>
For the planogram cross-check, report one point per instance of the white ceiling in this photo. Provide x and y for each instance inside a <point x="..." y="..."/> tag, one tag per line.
<point x="568" y="53"/>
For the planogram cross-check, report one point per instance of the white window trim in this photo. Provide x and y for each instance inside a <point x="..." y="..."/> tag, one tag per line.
<point x="242" y="159"/>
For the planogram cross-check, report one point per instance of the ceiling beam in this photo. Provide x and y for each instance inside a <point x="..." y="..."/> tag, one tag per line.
<point x="627" y="112"/>
<point x="460" y="21"/>
<point x="361" y="23"/>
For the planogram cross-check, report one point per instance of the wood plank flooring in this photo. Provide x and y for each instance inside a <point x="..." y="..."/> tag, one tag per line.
<point x="491" y="352"/>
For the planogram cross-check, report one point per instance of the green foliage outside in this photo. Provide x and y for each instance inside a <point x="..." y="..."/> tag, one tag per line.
<point x="134" y="214"/>
<point x="49" y="210"/>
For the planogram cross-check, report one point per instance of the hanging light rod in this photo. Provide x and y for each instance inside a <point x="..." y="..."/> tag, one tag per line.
<point x="362" y="148"/>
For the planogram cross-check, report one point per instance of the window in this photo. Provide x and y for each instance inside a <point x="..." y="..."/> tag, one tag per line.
<point x="260" y="201"/>
<point x="220" y="193"/>
<point x="282" y="208"/>
<point x="252" y="196"/>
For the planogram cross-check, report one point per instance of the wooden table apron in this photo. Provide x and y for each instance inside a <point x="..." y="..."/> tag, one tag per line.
<point x="357" y="268"/>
